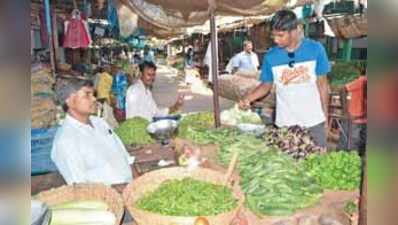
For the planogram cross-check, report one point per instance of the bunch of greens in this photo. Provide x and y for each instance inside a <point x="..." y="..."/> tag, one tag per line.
<point x="350" y="208"/>
<point x="336" y="170"/>
<point x="193" y="122"/>
<point x="133" y="131"/>
<point x="188" y="197"/>
<point x="344" y="72"/>
<point x="295" y="141"/>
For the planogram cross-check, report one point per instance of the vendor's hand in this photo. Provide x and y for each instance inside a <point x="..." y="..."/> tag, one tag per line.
<point x="180" y="99"/>
<point x="179" y="102"/>
<point x="244" y="104"/>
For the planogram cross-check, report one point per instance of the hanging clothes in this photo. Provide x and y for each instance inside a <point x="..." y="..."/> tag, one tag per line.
<point x="76" y="32"/>
<point x="43" y="29"/>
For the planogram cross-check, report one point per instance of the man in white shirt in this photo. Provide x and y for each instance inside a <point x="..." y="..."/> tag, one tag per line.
<point x="85" y="149"/>
<point x="245" y="60"/>
<point x="297" y="68"/>
<point x="149" y="55"/>
<point x="139" y="99"/>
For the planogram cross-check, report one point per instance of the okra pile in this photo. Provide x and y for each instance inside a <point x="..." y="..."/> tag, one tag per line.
<point x="273" y="182"/>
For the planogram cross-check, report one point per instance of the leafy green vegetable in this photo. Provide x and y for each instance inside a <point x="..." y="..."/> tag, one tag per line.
<point x="335" y="170"/>
<point x="344" y="72"/>
<point x="188" y="197"/>
<point x="133" y="131"/>
<point x="193" y="122"/>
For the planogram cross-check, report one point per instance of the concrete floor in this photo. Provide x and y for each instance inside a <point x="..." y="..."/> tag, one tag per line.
<point x="168" y="84"/>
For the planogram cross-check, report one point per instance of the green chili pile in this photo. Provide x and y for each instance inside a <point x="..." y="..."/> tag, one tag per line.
<point x="188" y="197"/>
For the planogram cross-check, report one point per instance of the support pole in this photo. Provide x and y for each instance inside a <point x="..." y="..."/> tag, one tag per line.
<point x="50" y="35"/>
<point x="214" y="64"/>
<point x="363" y="199"/>
<point x="347" y="49"/>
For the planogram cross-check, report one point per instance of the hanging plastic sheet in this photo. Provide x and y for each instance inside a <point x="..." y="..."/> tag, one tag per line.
<point x="113" y="19"/>
<point x="128" y="21"/>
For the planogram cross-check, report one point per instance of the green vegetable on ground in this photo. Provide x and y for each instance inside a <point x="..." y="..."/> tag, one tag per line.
<point x="133" y="131"/>
<point x="336" y="170"/>
<point x="188" y="197"/>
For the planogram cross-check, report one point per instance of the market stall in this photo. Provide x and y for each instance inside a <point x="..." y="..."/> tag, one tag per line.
<point x="211" y="167"/>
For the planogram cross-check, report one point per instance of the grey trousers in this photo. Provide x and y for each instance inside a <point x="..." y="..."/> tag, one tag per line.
<point x="318" y="133"/>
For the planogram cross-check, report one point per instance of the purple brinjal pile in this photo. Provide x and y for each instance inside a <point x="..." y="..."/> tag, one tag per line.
<point x="295" y="141"/>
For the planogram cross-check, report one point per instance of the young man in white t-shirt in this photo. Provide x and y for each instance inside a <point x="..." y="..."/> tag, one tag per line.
<point x="297" y="67"/>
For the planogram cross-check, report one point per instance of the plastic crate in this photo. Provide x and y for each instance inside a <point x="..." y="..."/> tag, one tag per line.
<point x="41" y="145"/>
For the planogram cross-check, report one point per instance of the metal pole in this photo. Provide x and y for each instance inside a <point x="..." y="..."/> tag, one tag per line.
<point x="50" y="36"/>
<point x="347" y="48"/>
<point x="214" y="64"/>
<point x="363" y="199"/>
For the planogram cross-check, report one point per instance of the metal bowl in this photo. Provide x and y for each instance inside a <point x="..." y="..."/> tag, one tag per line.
<point x="163" y="130"/>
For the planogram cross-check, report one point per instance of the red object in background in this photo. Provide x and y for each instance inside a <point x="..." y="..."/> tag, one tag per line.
<point x="357" y="104"/>
<point x="76" y="32"/>
<point x="120" y="115"/>
<point x="76" y="35"/>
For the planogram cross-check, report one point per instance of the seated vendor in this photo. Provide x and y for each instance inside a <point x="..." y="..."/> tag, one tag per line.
<point x="139" y="99"/>
<point x="85" y="149"/>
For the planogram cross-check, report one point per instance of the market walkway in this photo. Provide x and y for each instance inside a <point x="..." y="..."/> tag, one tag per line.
<point x="197" y="97"/>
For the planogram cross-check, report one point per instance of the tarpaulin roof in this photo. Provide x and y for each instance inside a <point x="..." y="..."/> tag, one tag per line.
<point x="170" y="17"/>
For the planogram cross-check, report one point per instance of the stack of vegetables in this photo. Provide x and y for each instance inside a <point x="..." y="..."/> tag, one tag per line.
<point x="82" y="212"/>
<point x="295" y="141"/>
<point x="133" y="132"/>
<point x="336" y="170"/>
<point x="273" y="182"/>
<point x="43" y="107"/>
<point x="235" y="116"/>
<point x="188" y="197"/>
<point x="194" y="122"/>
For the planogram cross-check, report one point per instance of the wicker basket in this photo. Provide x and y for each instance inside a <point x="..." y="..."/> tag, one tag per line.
<point x="85" y="192"/>
<point x="150" y="181"/>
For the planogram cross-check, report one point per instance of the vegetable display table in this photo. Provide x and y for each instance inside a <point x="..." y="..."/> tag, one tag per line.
<point x="147" y="157"/>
